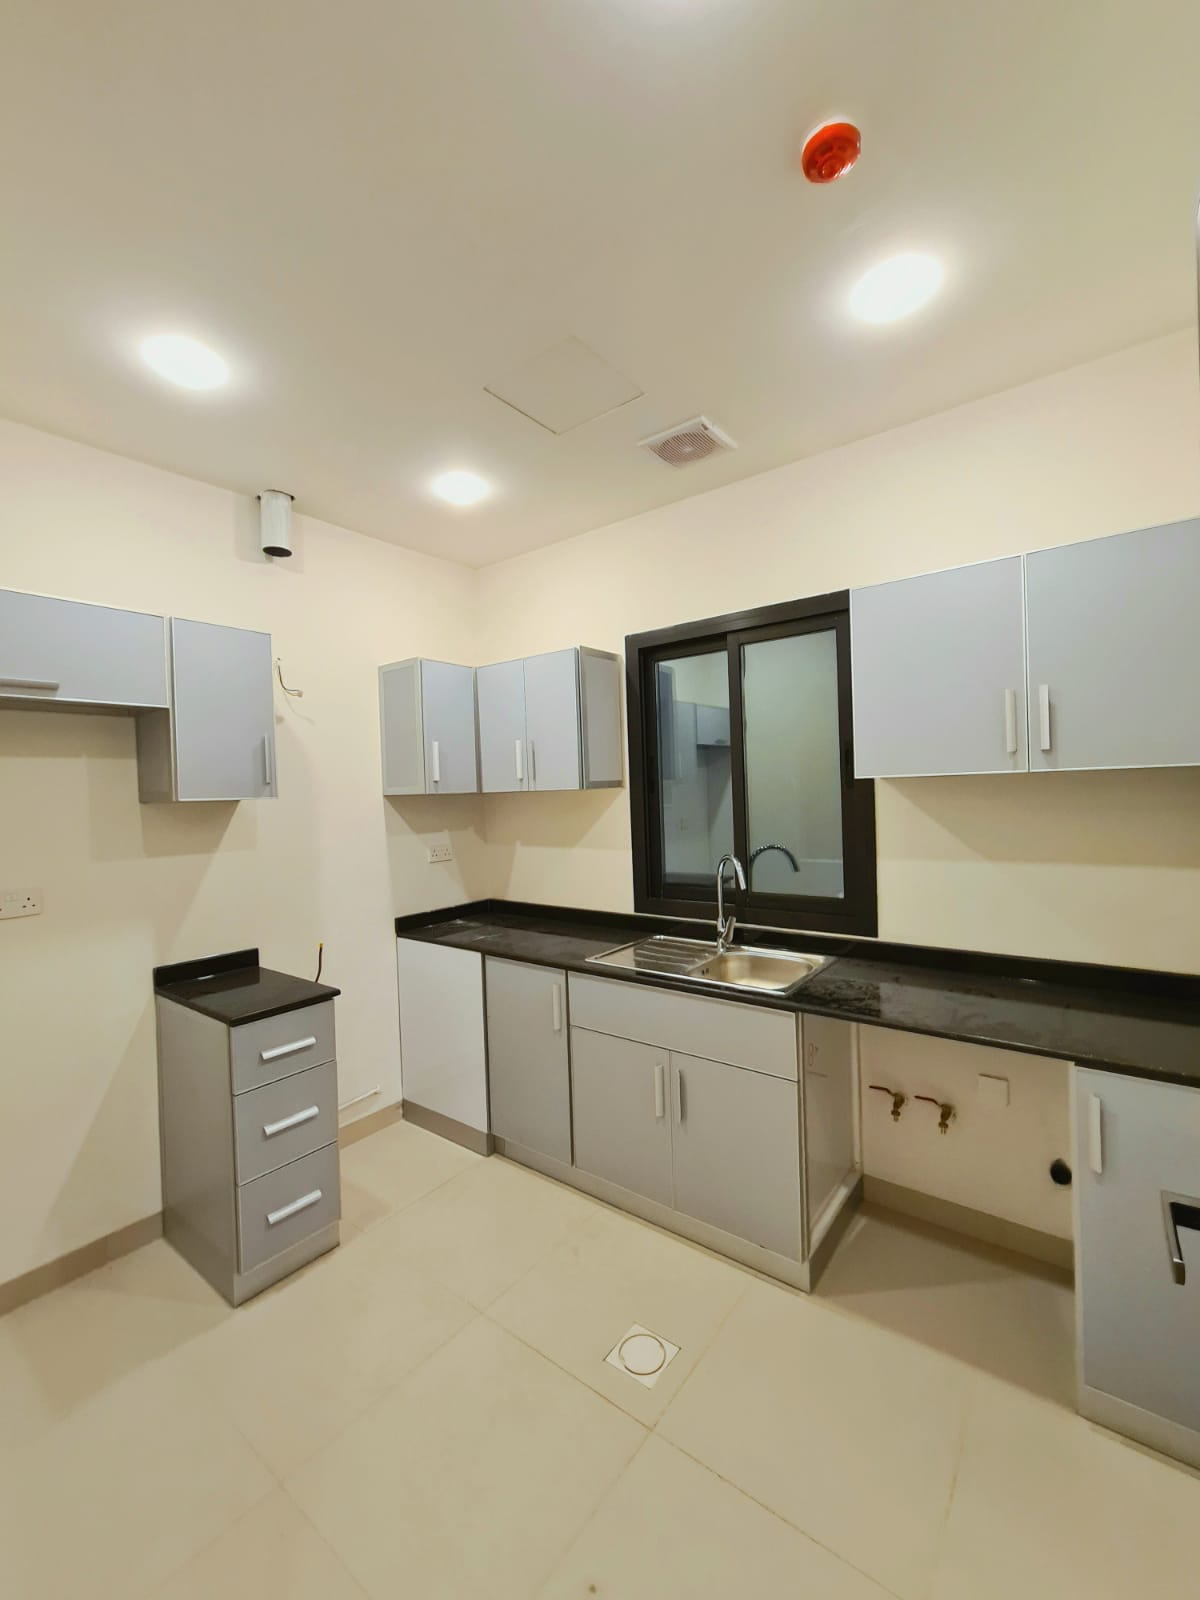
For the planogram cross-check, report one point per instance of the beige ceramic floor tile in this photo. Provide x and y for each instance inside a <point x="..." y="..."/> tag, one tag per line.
<point x="112" y="1500"/>
<point x="672" y="1530"/>
<point x="609" y="1273"/>
<point x="272" y="1553"/>
<point x="63" y="1350"/>
<point x="297" y="1365"/>
<point x="1047" y="1505"/>
<point x="850" y="1433"/>
<point x="1010" y="1317"/>
<point x="469" y="1479"/>
<point x="390" y="1169"/>
<point x="482" y="1231"/>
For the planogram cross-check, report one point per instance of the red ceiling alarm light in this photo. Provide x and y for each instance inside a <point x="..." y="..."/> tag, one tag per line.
<point x="829" y="151"/>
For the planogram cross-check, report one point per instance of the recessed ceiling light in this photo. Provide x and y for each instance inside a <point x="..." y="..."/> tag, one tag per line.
<point x="896" y="287"/>
<point x="460" y="488"/>
<point x="184" y="361"/>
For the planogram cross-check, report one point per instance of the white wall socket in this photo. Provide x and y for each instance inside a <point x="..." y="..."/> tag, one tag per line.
<point x="440" y="848"/>
<point x="20" y="903"/>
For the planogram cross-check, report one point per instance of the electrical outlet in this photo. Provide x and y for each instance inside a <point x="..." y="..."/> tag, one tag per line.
<point x="440" y="848"/>
<point x="20" y="903"/>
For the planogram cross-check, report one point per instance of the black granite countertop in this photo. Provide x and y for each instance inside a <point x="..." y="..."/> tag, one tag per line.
<point x="235" y="989"/>
<point x="1121" y="1019"/>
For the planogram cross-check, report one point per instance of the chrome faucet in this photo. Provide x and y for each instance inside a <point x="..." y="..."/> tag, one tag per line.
<point x="726" y="924"/>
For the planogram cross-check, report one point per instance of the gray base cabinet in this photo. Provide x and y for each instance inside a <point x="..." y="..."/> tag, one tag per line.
<point x="622" y="1131"/>
<point x="248" y="1130"/>
<point x="1137" y="1266"/>
<point x="736" y="1151"/>
<point x="529" y="1077"/>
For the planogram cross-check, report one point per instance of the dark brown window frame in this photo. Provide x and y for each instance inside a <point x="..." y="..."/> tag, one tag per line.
<point x="856" y="912"/>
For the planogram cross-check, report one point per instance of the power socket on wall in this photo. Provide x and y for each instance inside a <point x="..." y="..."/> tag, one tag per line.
<point x="440" y="848"/>
<point x="20" y="903"/>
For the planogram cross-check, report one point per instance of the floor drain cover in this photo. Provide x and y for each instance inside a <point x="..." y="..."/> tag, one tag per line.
<point x="643" y="1355"/>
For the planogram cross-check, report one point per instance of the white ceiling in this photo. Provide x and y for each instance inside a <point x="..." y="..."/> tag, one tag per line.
<point x="376" y="207"/>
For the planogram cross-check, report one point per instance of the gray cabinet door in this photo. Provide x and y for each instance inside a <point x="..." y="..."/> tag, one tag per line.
<point x="529" y="1077"/>
<point x="619" y="1106"/>
<point x="400" y="728"/>
<point x="448" y="719"/>
<point x="1138" y="1326"/>
<point x="502" y="757"/>
<point x="64" y="650"/>
<point x="828" y="1053"/>
<point x="737" y="1151"/>
<point x="938" y="673"/>
<point x="1114" y="651"/>
<point x="224" y="716"/>
<point x="552" y="720"/>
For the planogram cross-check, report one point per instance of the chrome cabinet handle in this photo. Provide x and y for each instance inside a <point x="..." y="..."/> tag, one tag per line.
<point x="1044" y="715"/>
<point x="270" y="1129"/>
<point x="520" y="755"/>
<point x="1179" y="1211"/>
<point x="268" y="761"/>
<point x="28" y="683"/>
<point x="1096" y="1135"/>
<point x="556" y="1011"/>
<point x="287" y="1049"/>
<point x="680" y="1097"/>
<point x="287" y="1211"/>
<point x="436" y="752"/>
<point x="660" y="1091"/>
<point x="1010" y="721"/>
<point x="532" y="762"/>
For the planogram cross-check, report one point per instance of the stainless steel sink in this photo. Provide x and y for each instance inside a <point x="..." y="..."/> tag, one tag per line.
<point x="698" y="961"/>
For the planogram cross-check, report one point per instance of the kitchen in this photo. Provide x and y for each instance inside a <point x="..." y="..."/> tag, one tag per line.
<point x="1062" y="432"/>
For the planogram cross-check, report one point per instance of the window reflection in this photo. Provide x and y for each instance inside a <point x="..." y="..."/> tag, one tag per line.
<point x="696" y="792"/>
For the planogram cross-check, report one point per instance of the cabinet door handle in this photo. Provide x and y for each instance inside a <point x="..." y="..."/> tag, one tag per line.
<point x="520" y="755"/>
<point x="1010" y="721"/>
<point x="287" y="1211"/>
<point x="1179" y="1211"/>
<point x="680" y="1097"/>
<point x="1044" y="715"/>
<point x="268" y="761"/>
<point x="28" y="683"/>
<point x="556" y="1013"/>
<point x="1096" y="1134"/>
<point x="660" y="1091"/>
<point x="270" y="1129"/>
<point x="286" y="1049"/>
<point x="436" y="753"/>
<point x="532" y="762"/>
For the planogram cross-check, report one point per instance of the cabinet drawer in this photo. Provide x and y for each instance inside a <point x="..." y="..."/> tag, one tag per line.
<point x="284" y="1120"/>
<point x="262" y="1052"/>
<point x="745" y="1036"/>
<point x="286" y="1206"/>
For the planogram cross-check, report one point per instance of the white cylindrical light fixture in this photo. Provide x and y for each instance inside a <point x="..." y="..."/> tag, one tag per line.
<point x="275" y="522"/>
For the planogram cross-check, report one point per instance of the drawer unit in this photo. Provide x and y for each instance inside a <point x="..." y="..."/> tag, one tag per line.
<point x="263" y="1052"/>
<point x="284" y="1120"/>
<point x="283" y="1208"/>
<point x="744" y="1036"/>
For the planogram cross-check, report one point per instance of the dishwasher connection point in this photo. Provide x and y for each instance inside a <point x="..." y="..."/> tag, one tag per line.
<point x="899" y="1101"/>
<point x="946" y="1112"/>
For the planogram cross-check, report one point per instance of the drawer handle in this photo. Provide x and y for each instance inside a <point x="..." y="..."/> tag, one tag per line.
<point x="286" y="1049"/>
<point x="1179" y="1211"/>
<point x="28" y="683"/>
<point x="270" y="1129"/>
<point x="285" y="1212"/>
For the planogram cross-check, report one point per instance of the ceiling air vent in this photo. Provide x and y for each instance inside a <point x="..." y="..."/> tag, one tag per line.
<point x="688" y="442"/>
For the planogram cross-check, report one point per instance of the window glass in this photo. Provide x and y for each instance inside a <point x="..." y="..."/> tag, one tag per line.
<point x="696" y="792"/>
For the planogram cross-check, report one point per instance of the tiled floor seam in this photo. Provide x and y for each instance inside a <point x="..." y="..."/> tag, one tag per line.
<point x="337" y="1556"/>
<point x="787" y="1522"/>
<point x="708" y="1344"/>
<point x="574" y="1376"/>
<point x="574" y="1539"/>
<point x="221" y="1533"/>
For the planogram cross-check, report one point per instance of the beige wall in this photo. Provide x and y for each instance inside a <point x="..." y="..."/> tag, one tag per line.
<point x="1097" y="866"/>
<point x="128" y="886"/>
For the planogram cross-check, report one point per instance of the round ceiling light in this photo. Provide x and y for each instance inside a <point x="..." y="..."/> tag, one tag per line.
<point x="830" y="151"/>
<point x="460" y="488"/>
<point x="896" y="287"/>
<point x="184" y="361"/>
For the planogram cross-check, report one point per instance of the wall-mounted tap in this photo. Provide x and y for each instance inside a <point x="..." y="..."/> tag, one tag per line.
<point x="726" y="924"/>
<point x="899" y="1100"/>
<point x="946" y="1112"/>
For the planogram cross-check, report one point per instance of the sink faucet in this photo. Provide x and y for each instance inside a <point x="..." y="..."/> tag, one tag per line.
<point x="726" y="924"/>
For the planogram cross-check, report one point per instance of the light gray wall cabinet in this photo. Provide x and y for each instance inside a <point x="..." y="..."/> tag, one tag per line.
<point x="248" y="1132"/>
<point x="551" y="722"/>
<point x="427" y="726"/>
<point x="1137" y="1258"/>
<point x="218" y="741"/>
<point x="619" y="1097"/>
<point x="736" y="1151"/>
<point x="938" y="672"/>
<point x="529" y="1075"/>
<point x="1114" y="651"/>
<point x="65" y="652"/>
